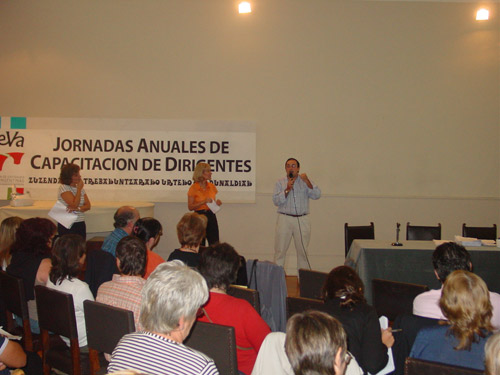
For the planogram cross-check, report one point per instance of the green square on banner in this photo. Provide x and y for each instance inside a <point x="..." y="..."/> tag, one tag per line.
<point x="18" y="122"/>
<point x="0" y="122"/>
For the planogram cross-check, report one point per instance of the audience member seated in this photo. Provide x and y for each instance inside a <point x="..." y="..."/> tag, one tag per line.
<point x="219" y="265"/>
<point x="13" y="356"/>
<point x="461" y="339"/>
<point x="492" y="354"/>
<point x="316" y="344"/>
<point x="272" y="359"/>
<point x="447" y="258"/>
<point x="190" y="231"/>
<point x="171" y="299"/>
<point x="68" y="256"/>
<point x="125" y="289"/>
<point x="343" y="292"/>
<point x="8" y="230"/>
<point x="31" y="260"/>
<point x="125" y="218"/>
<point x="149" y="231"/>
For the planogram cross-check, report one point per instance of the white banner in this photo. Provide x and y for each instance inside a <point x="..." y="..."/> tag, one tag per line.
<point x="123" y="163"/>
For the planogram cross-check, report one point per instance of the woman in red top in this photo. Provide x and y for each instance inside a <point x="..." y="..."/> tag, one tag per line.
<point x="201" y="193"/>
<point x="219" y="265"/>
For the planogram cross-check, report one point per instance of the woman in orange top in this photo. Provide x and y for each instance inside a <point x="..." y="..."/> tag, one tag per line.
<point x="201" y="193"/>
<point x="149" y="230"/>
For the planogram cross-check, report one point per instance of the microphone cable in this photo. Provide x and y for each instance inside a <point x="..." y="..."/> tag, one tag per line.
<point x="300" y="231"/>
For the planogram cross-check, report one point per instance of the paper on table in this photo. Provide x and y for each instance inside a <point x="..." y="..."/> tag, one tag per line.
<point x="214" y="207"/>
<point x="467" y="241"/>
<point x="62" y="216"/>
<point x="389" y="367"/>
<point x="492" y="243"/>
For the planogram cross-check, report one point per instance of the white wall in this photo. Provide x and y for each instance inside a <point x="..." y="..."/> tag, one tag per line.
<point x="391" y="107"/>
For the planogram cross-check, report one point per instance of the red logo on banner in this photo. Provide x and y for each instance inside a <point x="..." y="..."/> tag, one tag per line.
<point x="17" y="156"/>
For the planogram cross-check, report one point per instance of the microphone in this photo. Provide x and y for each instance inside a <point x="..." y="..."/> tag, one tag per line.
<point x="397" y="243"/>
<point x="290" y="175"/>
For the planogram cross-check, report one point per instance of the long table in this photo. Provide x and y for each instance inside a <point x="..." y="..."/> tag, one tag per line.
<point x="98" y="219"/>
<point x="412" y="263"/>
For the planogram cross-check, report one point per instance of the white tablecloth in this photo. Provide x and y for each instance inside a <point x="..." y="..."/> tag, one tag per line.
<point x="98" y="219"/>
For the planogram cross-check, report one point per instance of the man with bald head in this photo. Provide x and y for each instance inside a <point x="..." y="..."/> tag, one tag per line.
<point x="125" y="218"/>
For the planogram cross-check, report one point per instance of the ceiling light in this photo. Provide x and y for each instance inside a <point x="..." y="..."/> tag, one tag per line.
<point x="245" y="7"/>
<point x="482" y="15"/>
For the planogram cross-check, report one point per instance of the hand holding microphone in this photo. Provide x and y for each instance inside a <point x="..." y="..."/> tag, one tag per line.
<point x="291" y="181"/>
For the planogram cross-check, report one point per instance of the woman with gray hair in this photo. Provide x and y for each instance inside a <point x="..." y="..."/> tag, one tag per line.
<point x="171" y="298"/>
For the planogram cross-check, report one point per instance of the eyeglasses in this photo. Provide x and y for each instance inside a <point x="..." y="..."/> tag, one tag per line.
<point x="347" y="357"/>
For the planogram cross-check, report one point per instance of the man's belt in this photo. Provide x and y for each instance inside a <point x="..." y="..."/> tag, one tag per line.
<point x="293" y="215"/>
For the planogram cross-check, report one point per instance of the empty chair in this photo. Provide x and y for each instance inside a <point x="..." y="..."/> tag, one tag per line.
<point x="418" y="367"/>
<point x="250" y="295"/>
<point x="216" y="341"/>
<point x="393" y="298"/>
<point x="100" y="267"/>
<point x="106" y="325"/>
<point x="56" y="314"/>
<point x="269" y="279"/>
<point x="311" y="283"/>
<point x="363" y="232"/>
<point x="423" y="233"/>
<point x="298" y="304"/>
<point x="482" y="233"/>
<point x="13" y="296"/>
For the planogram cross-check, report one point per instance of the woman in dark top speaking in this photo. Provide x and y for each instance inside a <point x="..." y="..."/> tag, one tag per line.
<point x="344" y="299"/>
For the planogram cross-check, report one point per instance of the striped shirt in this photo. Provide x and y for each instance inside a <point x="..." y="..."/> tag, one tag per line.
<point x="153" y="354"/>
<point x="72" y="189"/>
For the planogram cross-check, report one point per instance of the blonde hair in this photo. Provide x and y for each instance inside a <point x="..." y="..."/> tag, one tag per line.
<point x="198" y="171"/>
<point x="465" y="302"/>
<point x="191" y="229"/>
<point x="8" y="230"/>
<point x="313" y="339"/>
<point x="492" y="354"/>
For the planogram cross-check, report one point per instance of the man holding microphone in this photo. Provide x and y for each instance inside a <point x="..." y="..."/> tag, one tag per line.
<point x="291" y="196"/>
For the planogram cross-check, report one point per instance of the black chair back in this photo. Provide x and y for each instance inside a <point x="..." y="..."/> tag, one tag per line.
<point x="363" y="232"/>
<point x="250" y="295"/>
<point x="100" y="267"/>
<point x="298" y="304"/>
<point x="216" y="341"/>
<point x="311" y="283"/>
<point x="393" y="298"/>
<point x="481" y="233"/>
<point x="423" y="233"/>
<point x="409" y="325"/>
<point x="415" y="366"/>
<point x="105" y="325"/>
<point x="56" y="314"/>
<point x="14" y="299"/>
